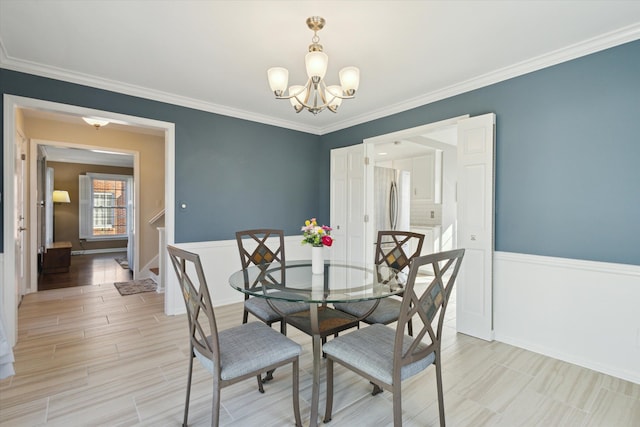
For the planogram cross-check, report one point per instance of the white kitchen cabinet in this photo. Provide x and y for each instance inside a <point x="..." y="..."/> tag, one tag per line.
<point x="427" y="244"/>
<point x="426" y="177"/>
<point x="426" y="186"/>
<point x="423" y="173"/>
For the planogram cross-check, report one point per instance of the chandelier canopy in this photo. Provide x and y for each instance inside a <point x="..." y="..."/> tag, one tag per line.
<point x="315" y="95"/>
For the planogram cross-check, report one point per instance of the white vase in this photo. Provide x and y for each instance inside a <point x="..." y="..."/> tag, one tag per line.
<point x="317" y="260"/>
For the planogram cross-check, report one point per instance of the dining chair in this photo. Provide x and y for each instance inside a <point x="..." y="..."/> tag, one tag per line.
<point x="395" y="249"/>
<point x="234" y="354"/>
<point x="385" y="355"/>
<point x="264" y="248"/>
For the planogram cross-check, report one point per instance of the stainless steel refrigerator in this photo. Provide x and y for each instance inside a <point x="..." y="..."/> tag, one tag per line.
<point x="392" y="199"/>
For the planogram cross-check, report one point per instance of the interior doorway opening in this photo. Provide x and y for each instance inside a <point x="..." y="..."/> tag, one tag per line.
<point x="12" y="292"/>
<point x="433" y="213"/>
<point x="65" y="163"/>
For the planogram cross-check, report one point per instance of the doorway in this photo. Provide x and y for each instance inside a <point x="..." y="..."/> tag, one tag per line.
<point x="428" y="205"/>
<point x="407" y="144"/>
<point x="71" y="168"/>
<point x="11" y="293"/>
<point x="474" y="213"/>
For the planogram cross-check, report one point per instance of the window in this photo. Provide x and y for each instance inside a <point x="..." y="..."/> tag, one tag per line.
<point x="105" y="206"/>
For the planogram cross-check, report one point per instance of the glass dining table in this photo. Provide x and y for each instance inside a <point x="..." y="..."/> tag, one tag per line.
<point x="293" y="281"/>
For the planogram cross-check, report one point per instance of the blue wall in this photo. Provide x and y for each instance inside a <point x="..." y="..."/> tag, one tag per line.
<point x="567" y="158"/>
<point x="567" y="155"/>
<point x="231" y="173"/>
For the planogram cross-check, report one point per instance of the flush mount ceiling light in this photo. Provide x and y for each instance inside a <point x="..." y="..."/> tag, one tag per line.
<point x="97" y="123"/>
<point x="315" y="95"/>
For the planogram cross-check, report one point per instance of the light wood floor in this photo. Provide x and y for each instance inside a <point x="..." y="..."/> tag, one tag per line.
<point x="87" y="356"/>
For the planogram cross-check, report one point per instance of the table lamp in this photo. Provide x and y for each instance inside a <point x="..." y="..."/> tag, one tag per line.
<point x="59" y="196"/>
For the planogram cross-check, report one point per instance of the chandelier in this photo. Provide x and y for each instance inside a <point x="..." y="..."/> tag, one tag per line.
<point x="315" y="95"/>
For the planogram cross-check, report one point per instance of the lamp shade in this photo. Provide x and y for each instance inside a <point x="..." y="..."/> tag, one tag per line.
<point x="350" y="80"/>
<point x="61" y="196"/>
<point x="316" y="63"/>
<point x="278" y="79"/>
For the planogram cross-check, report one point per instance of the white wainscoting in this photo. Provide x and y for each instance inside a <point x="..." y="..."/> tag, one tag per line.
<point x="220" y="259"/>
<point x="586" y="313"/>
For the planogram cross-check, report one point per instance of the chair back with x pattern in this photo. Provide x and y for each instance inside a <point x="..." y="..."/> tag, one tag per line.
<point x="425" y="304"/>
<point x="202" y="321"/>
<point x="391" y="248"/>
<point x="265" y="253"/>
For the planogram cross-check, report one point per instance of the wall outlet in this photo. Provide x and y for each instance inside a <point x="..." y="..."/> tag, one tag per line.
<point x="433" y="214"/>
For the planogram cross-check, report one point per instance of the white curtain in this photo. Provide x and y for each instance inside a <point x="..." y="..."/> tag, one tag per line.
<point x="84" y="212"/>
<point x="131" y="232"/>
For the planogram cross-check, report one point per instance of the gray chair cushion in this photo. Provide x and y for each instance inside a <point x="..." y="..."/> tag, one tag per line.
<point x="260" y="308"/>
<point x="249" y="347"/>
<point x="370" y="349"/>
<point x="386" y="312"/>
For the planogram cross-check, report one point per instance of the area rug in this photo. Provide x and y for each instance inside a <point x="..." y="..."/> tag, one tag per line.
<point x="135" y="286"/>
<point x="123" y="262"/>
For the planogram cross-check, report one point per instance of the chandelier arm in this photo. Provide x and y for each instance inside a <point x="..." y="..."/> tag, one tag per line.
<point x="305" y="88"/>
<point x="299" y="93"/>
<point x="333" y="95"/>
<point x="314" y="108"/>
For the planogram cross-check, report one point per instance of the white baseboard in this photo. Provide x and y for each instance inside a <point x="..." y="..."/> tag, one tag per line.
<point x="582" y="312"/>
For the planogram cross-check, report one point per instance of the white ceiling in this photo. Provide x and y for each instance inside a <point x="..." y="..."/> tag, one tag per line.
<point x="213" y="55"/>
<point x="60" y="153"/>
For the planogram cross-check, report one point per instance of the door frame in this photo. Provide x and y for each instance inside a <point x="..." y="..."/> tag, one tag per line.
<point x="33" y="199"/>
<point x="481" y="295"/>
<point x="9" y="294"/>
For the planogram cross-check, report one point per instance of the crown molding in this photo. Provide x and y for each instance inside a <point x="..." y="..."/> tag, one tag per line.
<point x="143" y="92"/>
<point x="586" y="47"/>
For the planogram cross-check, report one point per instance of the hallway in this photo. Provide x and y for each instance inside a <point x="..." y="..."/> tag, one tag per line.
<point x="93" y="269"/>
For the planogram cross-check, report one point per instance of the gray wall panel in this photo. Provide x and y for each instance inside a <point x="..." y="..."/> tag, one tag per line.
<point x="567" y="155"/>
<point x="232" y="173"/>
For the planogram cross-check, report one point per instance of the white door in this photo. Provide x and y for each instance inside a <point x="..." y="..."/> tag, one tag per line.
<point x="347" y="204"/>
<point x="475" y="226"/>
<point x="49" y="226"/>
<point x="20" y="230"/>
<point x="131" y="232"/>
